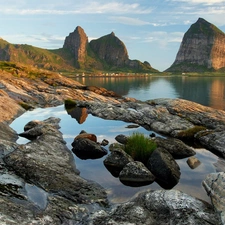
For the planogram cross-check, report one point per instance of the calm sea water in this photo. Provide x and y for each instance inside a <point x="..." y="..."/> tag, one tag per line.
<point x="208" y="91"/>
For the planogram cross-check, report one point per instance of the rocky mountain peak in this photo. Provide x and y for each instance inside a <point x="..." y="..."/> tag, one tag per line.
<point x="111" y="49"/>
<point x="77" y="42"/>
<point x="202" y="48"/>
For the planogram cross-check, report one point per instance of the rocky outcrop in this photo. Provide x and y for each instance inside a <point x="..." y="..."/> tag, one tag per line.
<point x="158" y="207"/>
<point x="77" y="43"/>
<point x="202" y="49"/>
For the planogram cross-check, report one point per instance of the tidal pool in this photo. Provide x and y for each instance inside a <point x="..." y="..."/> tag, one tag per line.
<point x="190" y="180"/>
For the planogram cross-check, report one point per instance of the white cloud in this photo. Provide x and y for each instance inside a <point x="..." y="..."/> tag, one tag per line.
<point x="129" y="21"/>
<point x="91" y="7"/>
<point x="163" y="37"/>
<point x="42" y="40"/>
<point x="206" y="2"/>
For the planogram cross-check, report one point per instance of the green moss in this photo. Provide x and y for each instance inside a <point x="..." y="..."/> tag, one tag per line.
<point x="140" y="147"/>
<point x="190" y="133"/>
<point x="69" y="104"/>
<point x="25" y="105"/>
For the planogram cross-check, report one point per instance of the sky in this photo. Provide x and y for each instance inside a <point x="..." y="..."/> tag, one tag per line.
<point x="152" y="30"/>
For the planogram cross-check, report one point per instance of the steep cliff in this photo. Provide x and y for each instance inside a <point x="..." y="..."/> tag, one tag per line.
<point x="202" y="49"/>
<point x="76" y="43"/>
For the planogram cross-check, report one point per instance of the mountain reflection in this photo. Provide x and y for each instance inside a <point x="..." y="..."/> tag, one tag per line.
<point x="208" y="91"/>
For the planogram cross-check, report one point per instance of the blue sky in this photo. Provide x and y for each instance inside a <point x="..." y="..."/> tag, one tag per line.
<point x="152" y="30"/>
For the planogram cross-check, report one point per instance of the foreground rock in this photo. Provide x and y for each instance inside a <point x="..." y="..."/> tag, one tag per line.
<point x="159" y="207"/>
<point x="214" y="184"/>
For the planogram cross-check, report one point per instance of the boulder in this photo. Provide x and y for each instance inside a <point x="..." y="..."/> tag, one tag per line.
<point x="193" y="162"/>
<point x="175" y="147"/>
<point x="84" y="148"/>
<point x="136" y="174"/>
<point x="116" y="161"/>
<point x="164" y="167"/>
<point x="214" y="185"/>
<point x="122" y="139"/>
<point x="157" y="208"/>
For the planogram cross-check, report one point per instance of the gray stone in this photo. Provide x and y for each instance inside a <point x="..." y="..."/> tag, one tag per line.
<point x="175" y="147"/>
<point x="164" y="167"/>
<point x="214" y="185"/>
<point x="116" y="161"/>
<point x="136" y="174"/>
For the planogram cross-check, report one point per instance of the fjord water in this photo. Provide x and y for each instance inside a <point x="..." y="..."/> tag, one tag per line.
<point x="209" y="91"/>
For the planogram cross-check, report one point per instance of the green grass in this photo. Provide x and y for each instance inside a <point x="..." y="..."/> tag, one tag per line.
<point x="140" y="147"/>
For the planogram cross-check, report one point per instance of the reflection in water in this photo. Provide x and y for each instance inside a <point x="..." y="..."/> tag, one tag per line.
<point x="78" y="113"/>
<point x="217" y="94"/>
<point x="208" y="91"/>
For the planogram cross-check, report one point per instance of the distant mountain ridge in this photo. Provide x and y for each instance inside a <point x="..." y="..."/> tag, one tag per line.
<point x="105" y="53"/>
<point x="202" y="49"/>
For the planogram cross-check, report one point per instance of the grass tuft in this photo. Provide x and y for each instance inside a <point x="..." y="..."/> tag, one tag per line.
<point x="190" y="133"/>
<point x="140" y="147"/>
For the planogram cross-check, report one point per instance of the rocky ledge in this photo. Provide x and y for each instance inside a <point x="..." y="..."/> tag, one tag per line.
<point x="46" y="165"/>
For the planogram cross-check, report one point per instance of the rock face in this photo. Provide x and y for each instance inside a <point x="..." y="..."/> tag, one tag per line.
<point x="77" y="42"/>
<point x="202" y="48"/>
